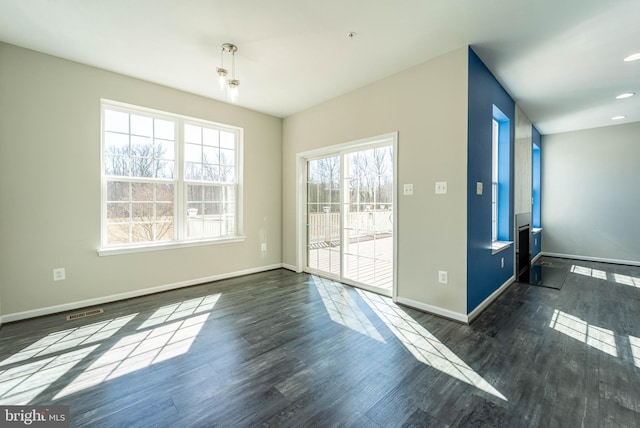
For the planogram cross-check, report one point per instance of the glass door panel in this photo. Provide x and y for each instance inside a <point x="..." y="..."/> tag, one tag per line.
<point x="368" y="218"/>
<point x="323" y="215"/>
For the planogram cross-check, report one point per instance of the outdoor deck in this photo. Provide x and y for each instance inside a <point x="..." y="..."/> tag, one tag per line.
<point x="368" y="260"/>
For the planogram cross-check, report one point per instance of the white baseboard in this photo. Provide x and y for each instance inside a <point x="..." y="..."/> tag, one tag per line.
<point x="592" y="259"/>
<point x="130" y="294"/>
<point x="290" y="267"/>
<point x="456" y="316"/>
<point x="535" y="259"/>
<point x="482" y="306"/>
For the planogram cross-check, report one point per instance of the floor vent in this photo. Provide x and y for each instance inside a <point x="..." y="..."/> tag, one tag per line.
<point x="84" y="314"/>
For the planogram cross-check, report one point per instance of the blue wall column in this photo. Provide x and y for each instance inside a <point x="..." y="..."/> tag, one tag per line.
<point x="485" y="273"/>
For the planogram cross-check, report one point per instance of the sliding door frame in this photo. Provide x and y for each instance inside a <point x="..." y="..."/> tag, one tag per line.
<point x="301" y="198"/>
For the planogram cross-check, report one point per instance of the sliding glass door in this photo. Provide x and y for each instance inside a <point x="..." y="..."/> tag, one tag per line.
<point x="350" y="215"/>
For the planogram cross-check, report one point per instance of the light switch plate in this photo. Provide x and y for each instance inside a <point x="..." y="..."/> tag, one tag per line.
<point x="479" y="188"/>
<point x="441" y="187"/>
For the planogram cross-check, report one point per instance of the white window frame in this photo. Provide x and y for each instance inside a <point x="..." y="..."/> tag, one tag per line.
<point x="180" y="183"/>
<point x="495" y="132"/>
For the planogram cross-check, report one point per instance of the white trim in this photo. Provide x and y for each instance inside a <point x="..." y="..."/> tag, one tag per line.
<point x="171" y="245"/>
<point x="498" y="246"/>
<point x="535" y="259"/>
<point x="482" y="306"/>
<point x="456" y="316"/>
<point x="131" y="294"/>
<point x="592" y="259"/>
<point x="290" y="267"/>
<point x="341" y="149"/>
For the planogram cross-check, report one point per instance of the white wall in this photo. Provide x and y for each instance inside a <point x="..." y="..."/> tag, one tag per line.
<point x="427" y="105"/>
<point x="50" y="186"/>
<point x="591" y="193"/>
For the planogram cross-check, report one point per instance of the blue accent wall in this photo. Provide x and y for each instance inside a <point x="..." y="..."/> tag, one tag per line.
<point x="484" y="273"/>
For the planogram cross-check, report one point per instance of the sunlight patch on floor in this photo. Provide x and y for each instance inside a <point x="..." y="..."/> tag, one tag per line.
<point x="423" y="345"/>
<point x="138" y="351"/>
<point x="70" y="338"/>
<point x="343" y="309"/>
<point x="596" y="337"/>
<point x="22" y="383"/>
<point x="634" y="342"/>
<point x="180" y="310"/>
<point x="595" y="273"/>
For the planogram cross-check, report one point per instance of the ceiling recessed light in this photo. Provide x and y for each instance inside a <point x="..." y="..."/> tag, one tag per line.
<point x="618" y="117"/>
<point x="625" y="95"/>
<point x="634" y="57"/>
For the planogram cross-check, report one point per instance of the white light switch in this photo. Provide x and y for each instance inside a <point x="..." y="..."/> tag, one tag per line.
<point x="408" y="189"/>
<point x="441" y="187"/>
<point x="479" y="188"/>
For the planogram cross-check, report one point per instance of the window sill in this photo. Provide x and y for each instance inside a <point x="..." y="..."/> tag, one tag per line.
<point x="536" y="230"/>
<point x="498" y="246"/>
<point x="114" y="251"/>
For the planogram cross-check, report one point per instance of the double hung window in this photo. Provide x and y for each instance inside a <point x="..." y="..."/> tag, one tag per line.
<point x="167" y="179"/>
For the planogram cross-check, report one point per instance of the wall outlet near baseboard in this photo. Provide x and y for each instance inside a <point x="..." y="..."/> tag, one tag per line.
<point x="263" y="247"/>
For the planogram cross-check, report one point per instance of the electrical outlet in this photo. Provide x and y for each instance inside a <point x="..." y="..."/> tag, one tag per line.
<point x="441" y="187"/>
<point x="443" y="277"/>
<point x="59" y="274"/>
<point x="263" y="247"/>
<point x="408" y="189"/>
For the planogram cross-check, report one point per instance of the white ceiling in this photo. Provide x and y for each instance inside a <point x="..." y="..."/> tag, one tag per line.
<point x="561" y="60"/>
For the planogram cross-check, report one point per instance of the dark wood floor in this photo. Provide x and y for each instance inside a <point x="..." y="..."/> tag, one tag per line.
<point x="285" y="349"/>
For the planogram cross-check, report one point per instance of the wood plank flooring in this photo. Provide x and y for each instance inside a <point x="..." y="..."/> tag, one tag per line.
<point x="286" y="349"/>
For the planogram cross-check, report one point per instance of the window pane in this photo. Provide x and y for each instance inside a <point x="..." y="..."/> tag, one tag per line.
<point x="116" y="143"/>
<point x="164" y="192"/>
<point x="164" y="149"/>
<point x="116" y="121"/>
<point x="142" y="167"/>
<point x="117" y="165"/>
<point x="165" y="169"/>
<point x="192" y="134"/>
<point x="142" y="232"/>
<point x="118" y="212"/>
<point x="192" y="153"/>
<point x="118" y="234"/>
<point x="211" y="172"/>
<point x="141" y="146"/>
<point x="227" y="157"/>
<point x="210" y="154"/>
<point x="142" y="192"/>
<point x="227" y="140"/>
<point x="164" y="129"/>
<point x="210" y="137"/>
<point x="141" y="125"/>
<point x="118" y="191"/>
<point x="227" y="174"/>
<point x="193" y="171"/>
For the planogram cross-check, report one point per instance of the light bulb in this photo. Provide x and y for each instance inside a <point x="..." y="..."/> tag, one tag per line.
<point x="222" y="74"/>
<point x="233" y="90"/>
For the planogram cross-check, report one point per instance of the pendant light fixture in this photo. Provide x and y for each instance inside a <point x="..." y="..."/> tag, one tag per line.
<point x="230" y="85"/>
